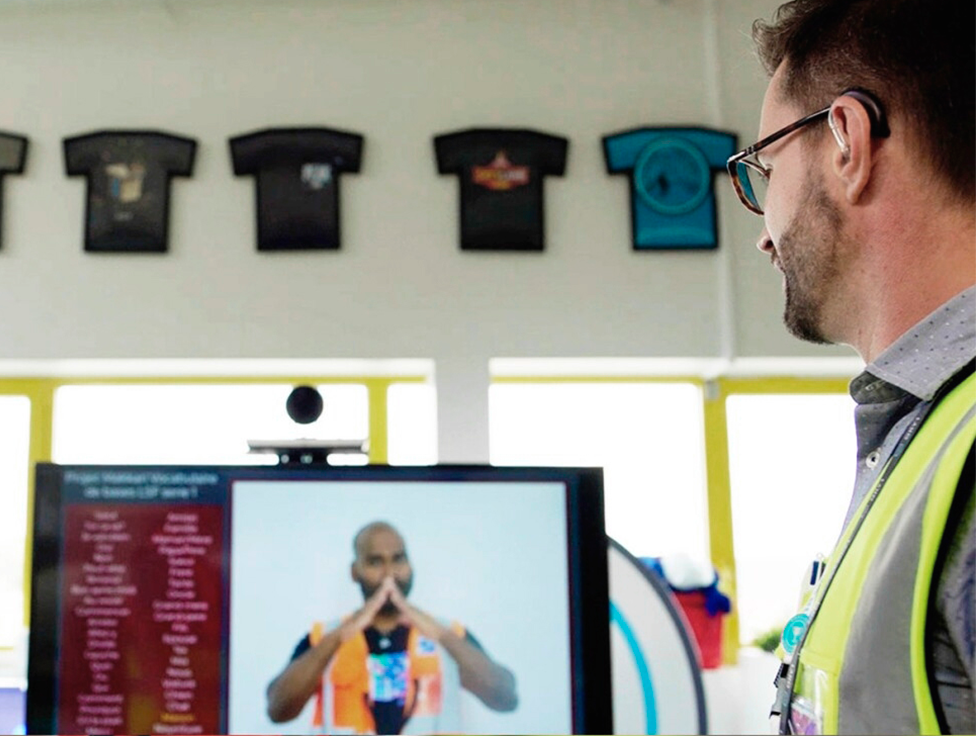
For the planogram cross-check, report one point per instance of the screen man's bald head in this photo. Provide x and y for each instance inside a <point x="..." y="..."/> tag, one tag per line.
<point x="361" y="540"/>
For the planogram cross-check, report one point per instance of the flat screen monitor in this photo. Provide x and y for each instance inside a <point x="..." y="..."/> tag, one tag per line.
<point x="215" y="599"/>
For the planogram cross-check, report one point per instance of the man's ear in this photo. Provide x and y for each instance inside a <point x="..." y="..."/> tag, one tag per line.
<point x="853" y="160"/>
<point x="352" y="573"/>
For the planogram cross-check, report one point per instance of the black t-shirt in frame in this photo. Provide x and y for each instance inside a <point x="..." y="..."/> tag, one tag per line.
<point x="501" y="172"/>
<point x="128" y="175"/>
<point x="13" y="155"/>
<point x="297" y="172"/>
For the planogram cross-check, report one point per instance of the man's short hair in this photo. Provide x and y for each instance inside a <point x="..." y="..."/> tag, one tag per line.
<point x="916" y="56"/>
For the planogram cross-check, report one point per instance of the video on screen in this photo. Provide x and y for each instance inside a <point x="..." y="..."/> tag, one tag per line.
<point x="202" y="600"/>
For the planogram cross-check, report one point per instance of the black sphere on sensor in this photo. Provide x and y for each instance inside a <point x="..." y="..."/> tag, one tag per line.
<point x="304" y="404"/>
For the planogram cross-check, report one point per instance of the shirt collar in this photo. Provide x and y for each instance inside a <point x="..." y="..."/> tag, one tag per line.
<point x="924" y="357"/>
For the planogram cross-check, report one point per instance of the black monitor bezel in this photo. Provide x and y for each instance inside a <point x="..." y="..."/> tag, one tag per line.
<point x="587" y="557"/>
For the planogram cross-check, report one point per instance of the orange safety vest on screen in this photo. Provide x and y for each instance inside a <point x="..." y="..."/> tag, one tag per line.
<point x="430" y="672"/>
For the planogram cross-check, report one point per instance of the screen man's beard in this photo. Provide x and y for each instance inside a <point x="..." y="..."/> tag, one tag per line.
<point x="389" y="609"/>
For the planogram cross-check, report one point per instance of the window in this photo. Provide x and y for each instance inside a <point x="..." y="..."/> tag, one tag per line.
<point x="791" y="464"/>
<point x="193" y="423"/>
<point x="412" y="424"/>
<point x="648" y="437"/>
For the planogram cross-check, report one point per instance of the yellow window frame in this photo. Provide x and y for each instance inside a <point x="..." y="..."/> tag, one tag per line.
<point x="40" y="392"/>
<point x="717" y="478"/>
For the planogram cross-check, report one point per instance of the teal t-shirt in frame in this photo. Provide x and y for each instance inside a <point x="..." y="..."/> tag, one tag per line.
<point x="672" y="195"/>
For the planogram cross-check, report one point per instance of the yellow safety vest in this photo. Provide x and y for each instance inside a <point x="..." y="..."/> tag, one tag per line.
<point x="861" y="667"/>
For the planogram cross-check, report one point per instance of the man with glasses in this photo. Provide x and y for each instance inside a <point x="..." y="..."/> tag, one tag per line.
<point x="864" y="177"/>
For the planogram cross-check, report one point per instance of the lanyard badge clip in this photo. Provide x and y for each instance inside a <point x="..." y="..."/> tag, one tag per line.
<point x="796" y="627"/>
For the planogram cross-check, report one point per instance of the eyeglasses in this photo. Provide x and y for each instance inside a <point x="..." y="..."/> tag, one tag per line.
<point x="750" y="178"/>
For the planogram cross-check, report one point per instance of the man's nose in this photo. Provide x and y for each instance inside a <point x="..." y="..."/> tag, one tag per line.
<point x="765" y="243"/>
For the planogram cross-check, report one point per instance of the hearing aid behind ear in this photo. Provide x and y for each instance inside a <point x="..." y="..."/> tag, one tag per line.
<point x="876" y="114"/>
<point x="874" y="109"/>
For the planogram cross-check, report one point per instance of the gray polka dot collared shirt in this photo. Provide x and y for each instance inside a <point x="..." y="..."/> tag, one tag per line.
<point x="890" y="393"/>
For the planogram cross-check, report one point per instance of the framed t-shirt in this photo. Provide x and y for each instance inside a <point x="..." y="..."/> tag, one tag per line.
<point x="13" y="155"/>
<point x="128" y="175"/>
<point x="501" y="173"/>
<point x="672" y="170"/>
<point x="297" y="172"/>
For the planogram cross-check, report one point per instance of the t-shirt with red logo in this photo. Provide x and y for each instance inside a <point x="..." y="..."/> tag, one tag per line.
<point x="501" y="172"/>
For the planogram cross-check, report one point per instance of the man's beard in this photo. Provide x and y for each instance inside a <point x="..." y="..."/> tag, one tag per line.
<point x="389" y="608"/>
<point x="808" y="255"/>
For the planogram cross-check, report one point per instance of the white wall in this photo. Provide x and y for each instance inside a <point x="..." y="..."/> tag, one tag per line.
<point x="399" y="72"/>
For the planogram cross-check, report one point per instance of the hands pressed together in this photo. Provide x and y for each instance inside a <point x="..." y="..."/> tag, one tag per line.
<point x="390" y="592"/>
